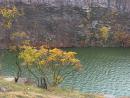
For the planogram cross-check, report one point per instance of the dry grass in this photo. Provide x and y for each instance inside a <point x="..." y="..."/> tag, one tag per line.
<point x="26" y="91"/>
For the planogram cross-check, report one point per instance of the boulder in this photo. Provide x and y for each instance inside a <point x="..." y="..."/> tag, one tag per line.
<point x="109" y="96"/>
<point x="3" y="89"/>
<point x="20" y="80"/>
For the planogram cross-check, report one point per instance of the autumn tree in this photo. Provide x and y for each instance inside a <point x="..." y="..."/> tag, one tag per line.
<point x="18" y="39"/>
<point x="104" y="34"/>
<point x="9" y="14"/>
<point x="120" y="38"/>
<point x="43" y="63"/>
<point x="15" y="40"/>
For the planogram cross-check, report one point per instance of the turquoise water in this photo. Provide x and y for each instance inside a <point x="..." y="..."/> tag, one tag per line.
<point x="105" y="71"/>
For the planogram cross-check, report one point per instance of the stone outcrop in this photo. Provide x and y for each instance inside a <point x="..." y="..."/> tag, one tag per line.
<point x="3" y="89"/>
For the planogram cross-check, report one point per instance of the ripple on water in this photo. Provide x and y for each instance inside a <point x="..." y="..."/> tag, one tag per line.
<point x="106" y="70"/>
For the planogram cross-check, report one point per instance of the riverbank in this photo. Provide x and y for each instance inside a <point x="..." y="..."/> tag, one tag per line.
<point x="13" y="90"/>
<point x="9" y="89"/>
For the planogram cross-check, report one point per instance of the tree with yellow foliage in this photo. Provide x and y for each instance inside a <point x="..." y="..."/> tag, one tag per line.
<point x="104" y="33"/>
<point x="18" y="39"/>
<point x="9" y="14"/>
<point x="49" y="63"/>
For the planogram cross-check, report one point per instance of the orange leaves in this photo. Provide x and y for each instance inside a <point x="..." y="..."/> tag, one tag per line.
<point x="47" y="57"/>
<point x="63" y="58"/>
<point x="43" y="51"/>
<point x="52" y="60"/>
<point x="120" y="36"/>
<point x="56" y="51"/>
<point x="70" y="54"/>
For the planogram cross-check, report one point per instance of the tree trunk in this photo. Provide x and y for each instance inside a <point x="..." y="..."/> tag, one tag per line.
<point x="19" y="70"/>
<point x="18" y="76"/>
<point x="42" y="83"/>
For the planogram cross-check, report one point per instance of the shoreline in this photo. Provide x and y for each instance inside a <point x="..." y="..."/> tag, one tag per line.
<point x="10" y="79"/>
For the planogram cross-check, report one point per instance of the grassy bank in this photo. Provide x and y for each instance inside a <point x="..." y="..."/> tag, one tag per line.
<point x="29" y="91"/>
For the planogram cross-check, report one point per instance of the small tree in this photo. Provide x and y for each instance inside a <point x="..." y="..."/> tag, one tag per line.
<point x="53" y="61"/>
<point x="9" y="15"/>
<point x="120" y="38"/>
<point x="18" y="39"/>
<point x="57" y="61"/>
<point x="104" y="34"/>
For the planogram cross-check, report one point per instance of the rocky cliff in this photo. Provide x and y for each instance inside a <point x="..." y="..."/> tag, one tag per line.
<point x="69" y="23"/>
